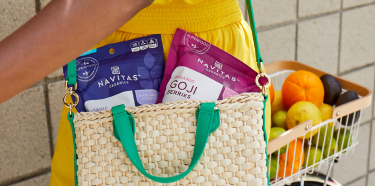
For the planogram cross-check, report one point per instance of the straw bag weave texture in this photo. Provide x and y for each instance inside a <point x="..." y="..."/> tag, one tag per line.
<point x="165" y="137"/>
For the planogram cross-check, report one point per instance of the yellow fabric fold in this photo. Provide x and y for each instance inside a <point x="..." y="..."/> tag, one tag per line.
<point x="198" y="17"/>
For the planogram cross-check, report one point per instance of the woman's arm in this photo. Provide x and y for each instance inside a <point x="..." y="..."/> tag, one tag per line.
<point x="60" y="32"/>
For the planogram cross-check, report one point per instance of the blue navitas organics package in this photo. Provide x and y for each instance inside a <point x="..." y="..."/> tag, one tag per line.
<point x="128" y="72"/>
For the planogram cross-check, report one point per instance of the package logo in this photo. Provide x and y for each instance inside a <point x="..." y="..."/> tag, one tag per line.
<point x="217" y="70"/>
<point x="87" y="68"/>
<point x="218" y="65"/>
<point x="115" y="70"/>
<point x="196" y="44"/>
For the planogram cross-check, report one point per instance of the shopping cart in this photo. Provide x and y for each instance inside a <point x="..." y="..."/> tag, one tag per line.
<point x="343" y="121"/>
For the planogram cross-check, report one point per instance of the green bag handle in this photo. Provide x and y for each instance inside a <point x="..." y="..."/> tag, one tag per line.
<point x="123" y="131"/>
<point x="71" y="77"/>
<point x="71" y="119"/>
<point x="255" y="35"/>
<point x="71" y="73"/>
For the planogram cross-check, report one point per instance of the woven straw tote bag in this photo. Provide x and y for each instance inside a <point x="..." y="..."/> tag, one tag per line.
<point x="187" y="143"/>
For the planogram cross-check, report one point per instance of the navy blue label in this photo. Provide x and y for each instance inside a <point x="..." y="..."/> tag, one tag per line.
<point x="128" y="72"/>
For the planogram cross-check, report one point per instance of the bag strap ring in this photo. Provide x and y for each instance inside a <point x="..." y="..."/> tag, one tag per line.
<point x="70" y="91"/>
<point x="265" y="86"/>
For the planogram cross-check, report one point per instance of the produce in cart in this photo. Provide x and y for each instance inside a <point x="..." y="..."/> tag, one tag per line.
<point x="312" y="156"/>
<point x="302" y="111"/>
<point x="277" y="131"/>
<point x="274" y="166"/>
<point x="337" y="131"/>
<point x="330" y="149"/>
<point x="302" y="86"/>
<point x="332" y="89"/>
<point x="293" y="160"/>
<point x="272" y="92"/>
<point x="321" y="139"/>
<point x="345" y="98"/>
<point x="344" y="138"/>
<point x="278" y="103"/>
<point x="326" y="111"/>
<point x="305" y="96"/>
<point x="279" y="119"/>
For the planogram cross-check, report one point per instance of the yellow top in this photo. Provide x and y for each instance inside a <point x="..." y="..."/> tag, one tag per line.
<point x="204" y="16"/>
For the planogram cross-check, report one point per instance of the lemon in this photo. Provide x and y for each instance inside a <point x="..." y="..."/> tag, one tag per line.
<point x="326" y="111"/>
<point x="278" y="103"/>
<point x="301" y="112"/>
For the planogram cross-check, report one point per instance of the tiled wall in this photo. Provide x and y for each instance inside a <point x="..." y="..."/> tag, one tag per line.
<point x="337" y="36"/>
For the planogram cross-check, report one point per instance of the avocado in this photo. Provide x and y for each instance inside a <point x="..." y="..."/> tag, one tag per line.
<point x="332" y="89"/>
<point x="345" y="98"/>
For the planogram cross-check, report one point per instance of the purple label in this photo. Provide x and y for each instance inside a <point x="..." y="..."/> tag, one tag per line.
<point x="147" y="96"/>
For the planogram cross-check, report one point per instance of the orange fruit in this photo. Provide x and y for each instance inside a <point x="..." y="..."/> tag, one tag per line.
<point x="291" y="168"/>
<point x="272" y="93"/>
<point x="278" y="103"/>
<point x="302" y="86"/>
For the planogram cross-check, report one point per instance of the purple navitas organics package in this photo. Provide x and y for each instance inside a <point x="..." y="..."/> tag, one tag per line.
<point x="128" y="72"/>
<point x="197" y="70"/>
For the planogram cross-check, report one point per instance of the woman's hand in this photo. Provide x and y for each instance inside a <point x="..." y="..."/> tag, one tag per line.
<point x="60" y="32"/>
